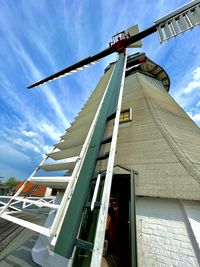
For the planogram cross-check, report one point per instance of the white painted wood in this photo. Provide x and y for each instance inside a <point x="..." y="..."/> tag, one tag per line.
<point x="58" y="166"/>
<point x="180" y="20"/>
<point x="174" y="27"/>
<point x="94" y="198"/>
<point x="11" y="206"/>
<point x="160" y="34"/>
<point x="197" y="14"/>
<point x="133" y="31"/>
<point x="72" y="159"/>
<point x="167" y="30"/>
<point x="39" y="202"/>
<point x="59" y="182"/>
<point x="32" y="226"/>
<point x="176" y="12"/>
<point x="65" y="153"/>
<point x="182" y="24"/>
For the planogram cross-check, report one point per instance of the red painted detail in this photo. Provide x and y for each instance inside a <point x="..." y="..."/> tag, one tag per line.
<point x="120" y="46"/>
<point x="142" y="60"/>
<point x="119" y="42"/>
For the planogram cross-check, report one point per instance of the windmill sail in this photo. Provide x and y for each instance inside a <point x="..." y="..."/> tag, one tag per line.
<point x="179" y="21"/>
<point x="75" y="67"/>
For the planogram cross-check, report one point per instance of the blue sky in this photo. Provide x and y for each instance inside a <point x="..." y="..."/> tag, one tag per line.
<point x="43" y="36"/>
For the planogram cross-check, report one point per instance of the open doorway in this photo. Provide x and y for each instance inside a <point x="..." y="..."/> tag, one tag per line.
<point x="117" y="239"/>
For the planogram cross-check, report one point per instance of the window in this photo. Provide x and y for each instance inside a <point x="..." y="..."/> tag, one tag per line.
<point x="125" y="115"/>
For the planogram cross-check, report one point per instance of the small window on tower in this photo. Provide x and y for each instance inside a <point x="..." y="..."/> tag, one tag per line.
<point x="126" y="115"/>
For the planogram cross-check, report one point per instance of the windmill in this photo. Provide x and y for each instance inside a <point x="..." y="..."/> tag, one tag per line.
<point x="75" y="229"/>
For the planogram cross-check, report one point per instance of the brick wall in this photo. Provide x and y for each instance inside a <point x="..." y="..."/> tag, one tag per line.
<point x="165" y="235"/>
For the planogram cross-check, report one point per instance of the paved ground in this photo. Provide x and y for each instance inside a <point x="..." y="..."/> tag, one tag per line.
<point x="16" y="242"/>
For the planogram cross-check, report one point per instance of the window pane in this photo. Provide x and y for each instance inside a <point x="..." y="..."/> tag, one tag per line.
<point x="125" y="116"/>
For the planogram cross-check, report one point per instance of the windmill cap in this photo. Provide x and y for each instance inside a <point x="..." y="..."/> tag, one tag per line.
<point x="139" y="62"/>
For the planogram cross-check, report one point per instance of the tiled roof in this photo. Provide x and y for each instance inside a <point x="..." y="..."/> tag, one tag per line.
<point x="32" y="189"/>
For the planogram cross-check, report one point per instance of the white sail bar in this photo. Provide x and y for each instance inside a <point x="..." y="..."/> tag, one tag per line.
<point x="66" y="153"/>
<point x="101" y="225"/>
<point x="32" y="226"/>
<point x="58" y="167"/>
<point x="39" y="203"/>
<point x="58" y="182"/>
<point x="73" y="140"/>
<point x="65" y="164"/>
<point x="94" y="198"/>
<point x="179" y="21"/>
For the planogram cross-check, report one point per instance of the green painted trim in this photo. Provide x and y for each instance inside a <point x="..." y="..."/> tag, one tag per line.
<point x="69" y="230"/>
<point x="84" y="244"/>
<point x="134" y="261"/>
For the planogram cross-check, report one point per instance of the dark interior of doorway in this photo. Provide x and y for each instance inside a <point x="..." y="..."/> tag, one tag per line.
<point x="117" y="238"/>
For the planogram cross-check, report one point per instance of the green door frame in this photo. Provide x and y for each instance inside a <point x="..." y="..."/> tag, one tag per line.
<point x="133" y="228"/>
<point x="134" y="260"/>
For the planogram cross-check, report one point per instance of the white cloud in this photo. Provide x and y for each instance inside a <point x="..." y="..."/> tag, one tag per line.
<point x="26" y="145"/>
<point x="32" y="71"/>
<point x="30" y="133"/>
<point x="49" y="129"/>
<point x="197" y="73"/>
<point x="29" y="141"/>
<point x="55" y="105"/>
<point x="195" y="117"/>
<point x="194" y="83"/>
<point x="39" y="126"/>
<point x="198" y="104"/>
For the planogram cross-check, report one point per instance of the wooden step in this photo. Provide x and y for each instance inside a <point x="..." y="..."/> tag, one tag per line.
<point x="66" y="164"/>
<point x="58" y="182"/>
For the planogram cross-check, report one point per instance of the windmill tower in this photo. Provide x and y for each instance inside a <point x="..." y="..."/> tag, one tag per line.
<point x="130" y="194"/>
